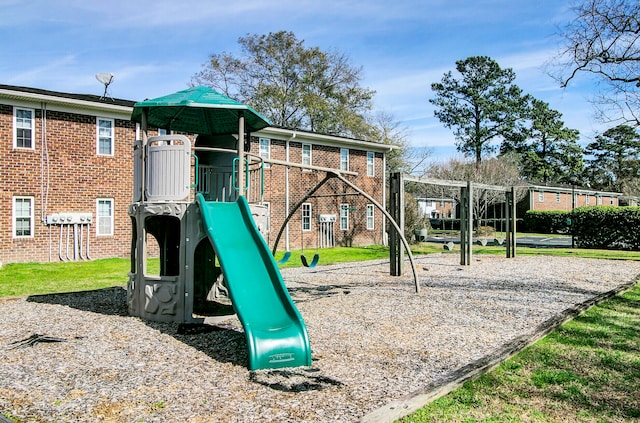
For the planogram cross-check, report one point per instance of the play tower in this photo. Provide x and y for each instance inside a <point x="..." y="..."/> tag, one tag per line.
<point x="198" y="207"/>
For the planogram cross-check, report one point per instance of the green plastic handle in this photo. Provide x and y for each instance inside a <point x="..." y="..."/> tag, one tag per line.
<point x="195" y="185"/>
<point x="246" y="176"/>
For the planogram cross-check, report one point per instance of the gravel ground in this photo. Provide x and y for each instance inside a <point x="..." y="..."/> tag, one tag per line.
<point x="374" y="342"/>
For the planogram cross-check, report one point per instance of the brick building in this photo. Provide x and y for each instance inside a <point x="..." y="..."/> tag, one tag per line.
<point x="66" y="171"/>
<point x="547" y="197"/>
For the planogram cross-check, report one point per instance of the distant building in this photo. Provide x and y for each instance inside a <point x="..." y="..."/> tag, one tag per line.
<point x="547" y="197"/>
<point x="437" y="208"/>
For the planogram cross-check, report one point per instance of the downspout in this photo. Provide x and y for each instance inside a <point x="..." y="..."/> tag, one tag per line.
<point x="286" y="190"/>
<point x="44" y="169"/>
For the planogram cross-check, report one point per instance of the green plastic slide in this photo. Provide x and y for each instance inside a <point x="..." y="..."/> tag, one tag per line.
<point x="275" y="332"/>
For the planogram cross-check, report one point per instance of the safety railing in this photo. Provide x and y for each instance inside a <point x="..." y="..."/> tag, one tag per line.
<point x="219" y="182"/>
<point x="164" y="171"/>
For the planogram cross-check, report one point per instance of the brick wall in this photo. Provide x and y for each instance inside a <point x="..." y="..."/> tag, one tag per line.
<point x="549" y="200"/>
<point x="63" y="173"/>
<point x="327" y="200"/>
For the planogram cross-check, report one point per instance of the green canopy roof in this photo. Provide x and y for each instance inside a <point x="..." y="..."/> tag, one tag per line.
<point x="198" y="110"/>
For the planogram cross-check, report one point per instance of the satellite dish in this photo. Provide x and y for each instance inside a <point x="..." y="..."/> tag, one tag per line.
<point x="105" y="78"/>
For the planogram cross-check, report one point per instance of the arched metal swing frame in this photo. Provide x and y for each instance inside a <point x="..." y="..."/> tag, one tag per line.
<point x="330" y="174"/>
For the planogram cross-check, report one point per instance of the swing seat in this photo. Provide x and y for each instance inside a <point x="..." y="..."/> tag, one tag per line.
<point x="285" y="258"/>
<point x="313" y="263"/>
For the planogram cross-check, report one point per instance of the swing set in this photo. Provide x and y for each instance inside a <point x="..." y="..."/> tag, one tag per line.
<point x="466" y="215"/>
<point x="305" y="262"/>
<point x="329" y="175"/>
<point x="314" y="261"/>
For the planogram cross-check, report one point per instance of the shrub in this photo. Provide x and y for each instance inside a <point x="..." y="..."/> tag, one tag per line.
<point x="546" y="222"/>
<point x="607" y="227"/>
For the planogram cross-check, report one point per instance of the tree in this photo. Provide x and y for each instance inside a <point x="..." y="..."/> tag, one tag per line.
<point x="615" y="159"/>
<point x="482" y="106"/>
<point x="547" y="150"/>
<point x="293" y="85"/>
<point x="603" y="40"/>
<point x="501" y="171"/>
<point x="403" y="158"/>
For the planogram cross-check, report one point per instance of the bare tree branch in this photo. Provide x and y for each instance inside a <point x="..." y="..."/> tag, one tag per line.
<point x="603" y="40"/>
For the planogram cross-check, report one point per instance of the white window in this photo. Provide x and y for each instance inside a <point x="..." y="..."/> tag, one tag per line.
<point x="306" y="216"/>
<point x="557" y="197"/>
<point x="23" y="128"/>
<point x="344" y="159"/>
<point x="306" y="154"/>
<point x="104" y="212"/>
<point x="104" y="136"/>
<point x="371" y="170"/>
<point x="265" y="150"/>
<point x="599" y="200"/>
<point x="344" y="217"/>
<point x="586" y="199"/>
<point x="541" y="196"/>
<point x="162" y="132"/>
<point x="370" y="217"/>
<point x="23" y="217"/>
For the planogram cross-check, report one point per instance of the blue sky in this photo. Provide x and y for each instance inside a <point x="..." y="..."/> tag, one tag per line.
<point x="155" y="47"/>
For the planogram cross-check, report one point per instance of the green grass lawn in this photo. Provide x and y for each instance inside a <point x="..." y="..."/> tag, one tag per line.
<point x="45" y="278"/>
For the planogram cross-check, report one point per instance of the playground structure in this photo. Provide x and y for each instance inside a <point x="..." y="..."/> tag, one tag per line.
<point x="214" y="238"/>
<point x="396" y="206"/>
<point x="211" y="242"/>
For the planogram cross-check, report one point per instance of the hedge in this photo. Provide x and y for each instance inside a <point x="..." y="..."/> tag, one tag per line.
<point x="604" y="227"/>
<point x="607" y="227"/>
<point x="546" y="222"/>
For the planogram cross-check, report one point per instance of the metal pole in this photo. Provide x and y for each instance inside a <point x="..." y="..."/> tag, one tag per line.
<point x="143" y="165"/>
<point x="464" y="211"/>
<point x="513" y="225"/>
<point x="573" y="206"/>
<point x="396" y="250"/>
<point x="240" y="176"/>
<point x="469" y="222"/>
<point x="507" y="218"/>
<point x="393" y="240"/>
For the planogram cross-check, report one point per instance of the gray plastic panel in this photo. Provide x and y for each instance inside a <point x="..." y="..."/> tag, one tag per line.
<point x="137" y="171"/>
<point x="168" y="173"/>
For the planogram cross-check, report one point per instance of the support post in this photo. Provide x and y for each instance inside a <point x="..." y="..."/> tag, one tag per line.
<point x="141" y="251"/>
<point x="507" y="219"/>
<point x="510" y="217"/>
<point x="464" y="211"/>
<point x="466" y="224"/>
<point x="463" y="224"/>
<point x="469" y="234"/>
<point x="513" y="221"/>
<point x="396" y="205"/>
<point x="240" y="176"/>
